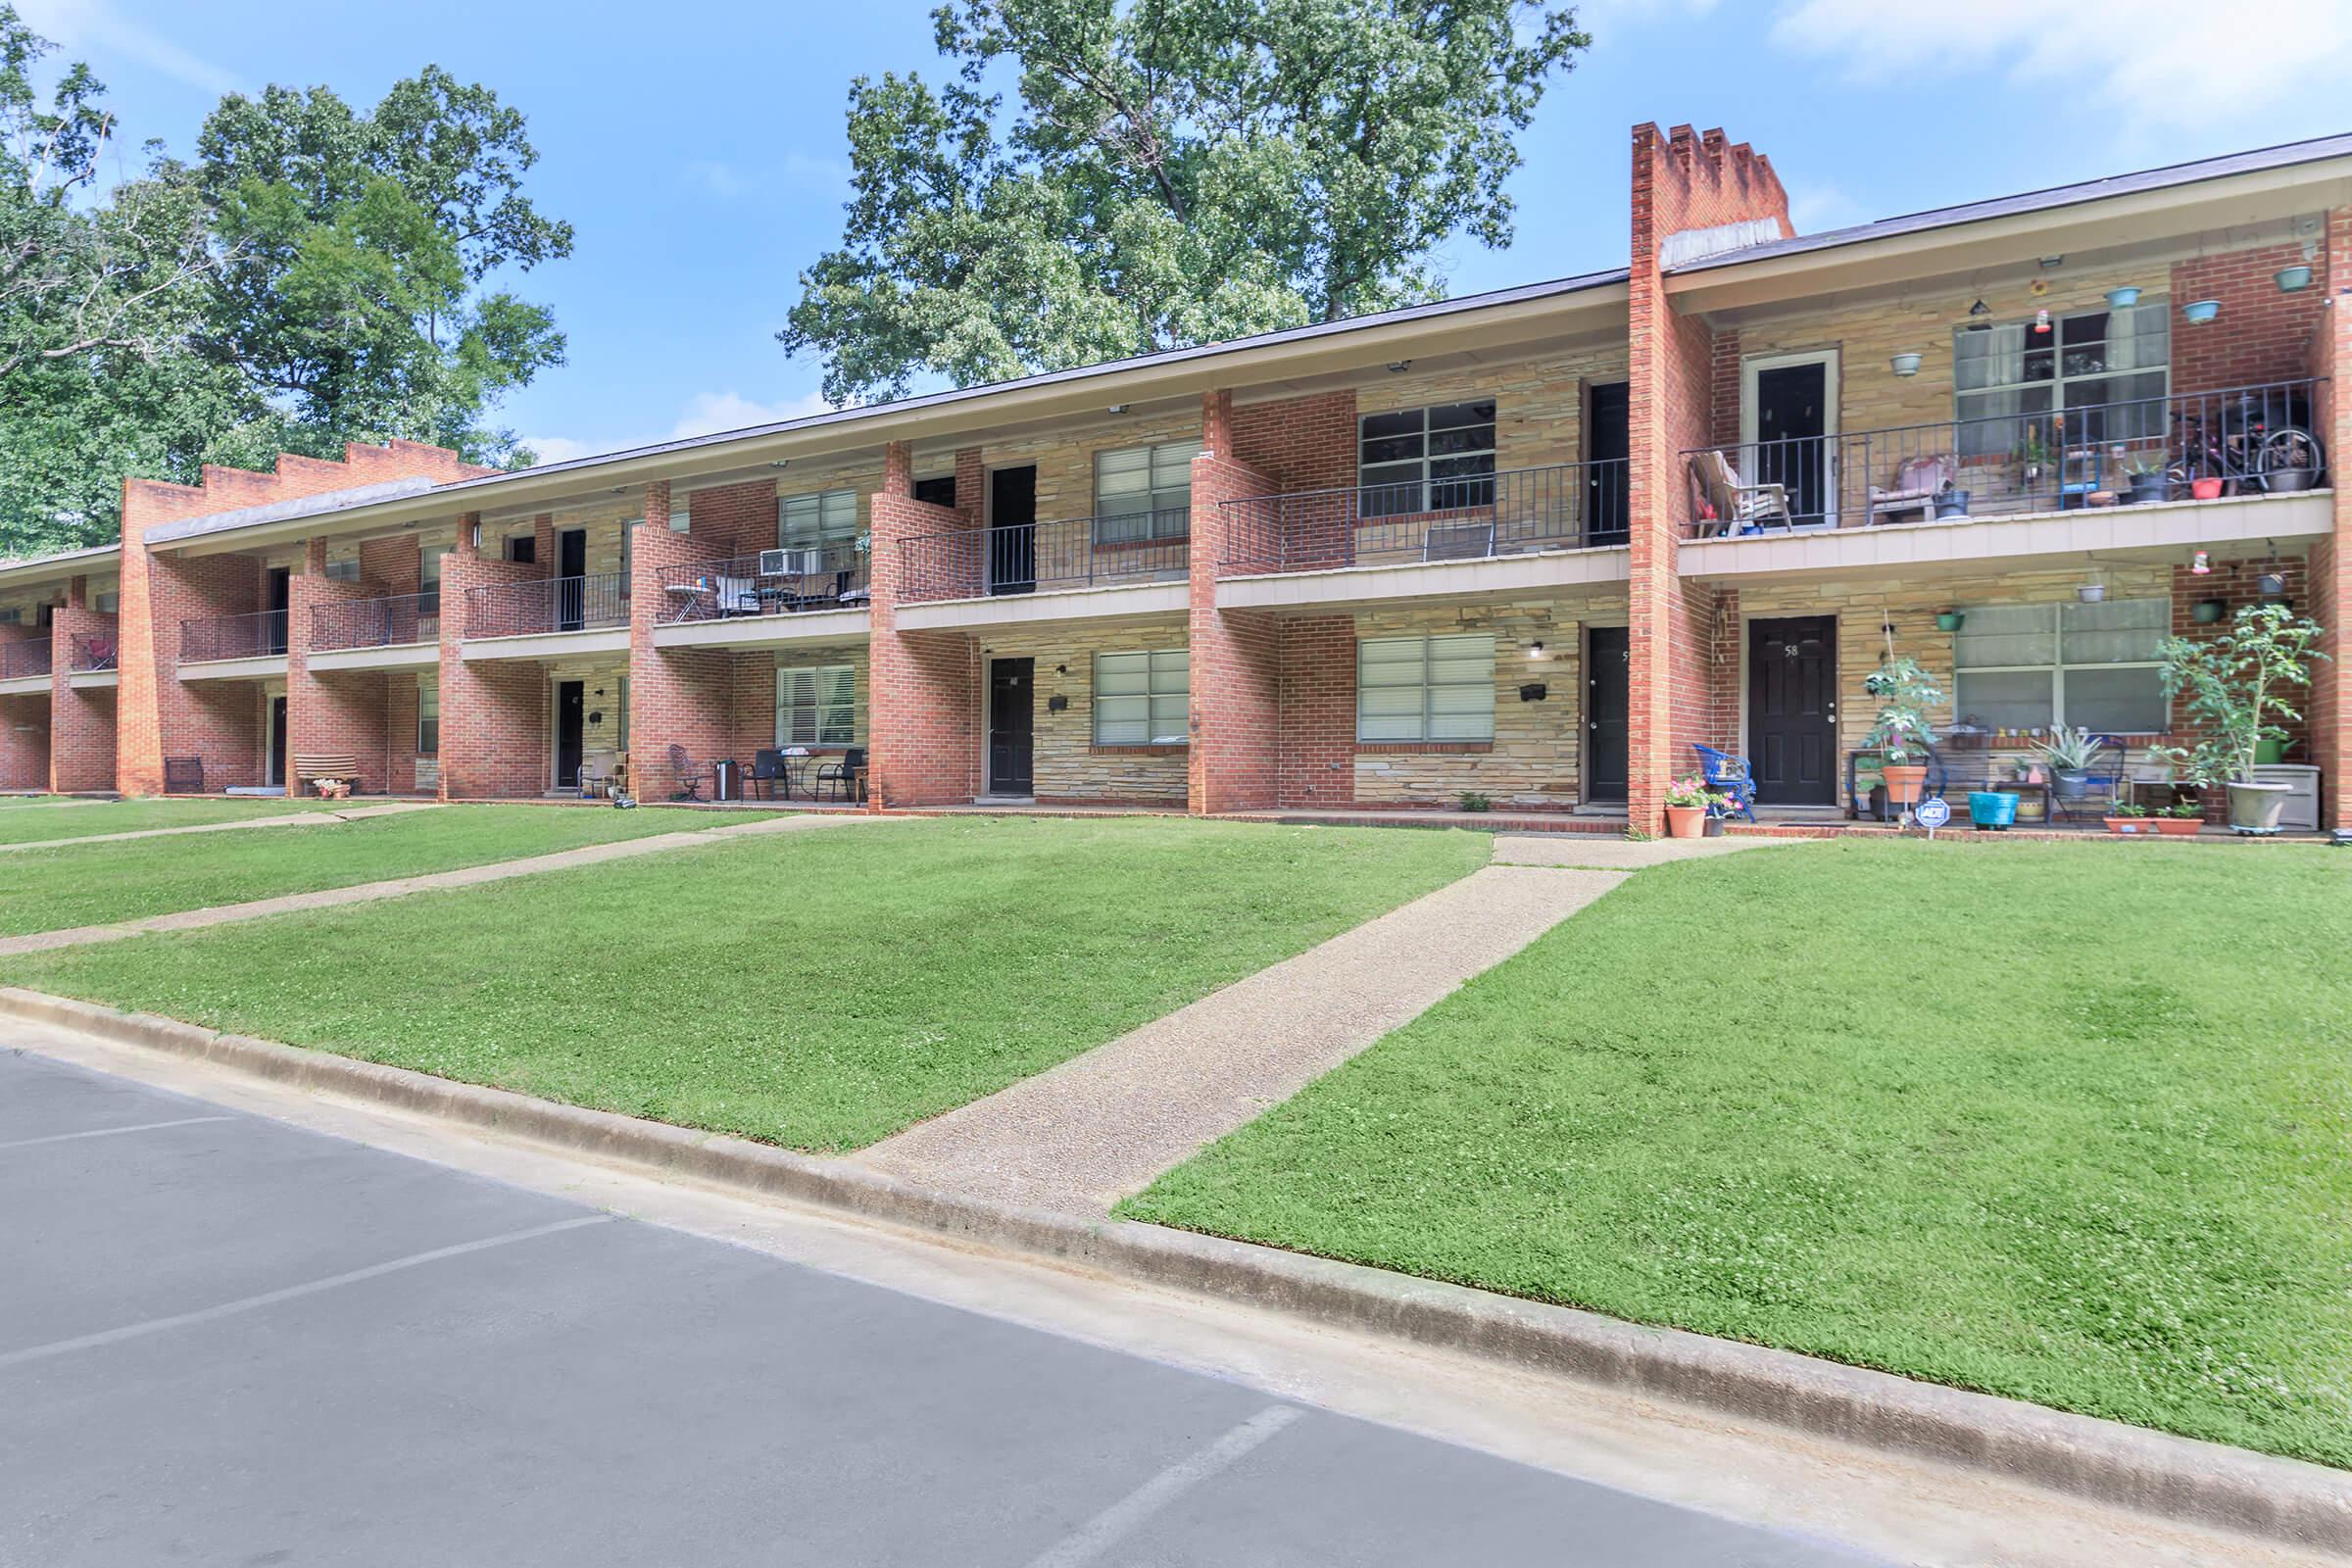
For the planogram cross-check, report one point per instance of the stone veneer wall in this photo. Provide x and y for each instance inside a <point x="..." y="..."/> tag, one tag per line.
<point x="1068" y="767"/>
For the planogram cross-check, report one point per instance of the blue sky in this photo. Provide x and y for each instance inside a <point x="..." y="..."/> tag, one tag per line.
<point x="699" y="149"/>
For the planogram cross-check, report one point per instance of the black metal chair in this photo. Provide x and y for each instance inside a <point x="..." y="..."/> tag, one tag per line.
<point x="689" y="773"/>
<point x="843" y="775"/>
<point x="767" y="766"/>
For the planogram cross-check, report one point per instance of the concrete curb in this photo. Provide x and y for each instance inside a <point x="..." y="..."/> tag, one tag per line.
<point x="2178" y="1478"/>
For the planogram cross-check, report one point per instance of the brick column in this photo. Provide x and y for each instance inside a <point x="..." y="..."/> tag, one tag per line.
<point x="339" y="713"/>
<point x="81" y="720"/>
<point x="24" y="722"/>
<point x="2331" y="583"/>
<point x="494" y="739"/>
<point x="1233" y="764"/>
<point x="677" y="695"/>
<point x="923" y="687"/>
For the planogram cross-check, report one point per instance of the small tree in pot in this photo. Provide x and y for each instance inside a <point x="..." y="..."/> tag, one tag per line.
<point x="2237" y="685"/>
<point x="1901" y="733"/>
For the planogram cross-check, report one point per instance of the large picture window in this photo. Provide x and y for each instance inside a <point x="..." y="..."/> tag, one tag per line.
<point x="817" y="706"/>
<point x="815" y="521"/>
<point x="2008" y="380"/>
<point x="1426" y="459"/>
<point x="2032" y="667"/>
<point x="1144" y="493"/>
<point x="1142" y="698"/>
<point x="1425" y="688"/>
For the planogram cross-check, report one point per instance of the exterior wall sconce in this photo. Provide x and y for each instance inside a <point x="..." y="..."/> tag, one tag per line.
<point x="1399" y="367"/>
<point x="1535" y="651"/>
<point x="1905" y="363"/>
<point x="1976" y="317"/>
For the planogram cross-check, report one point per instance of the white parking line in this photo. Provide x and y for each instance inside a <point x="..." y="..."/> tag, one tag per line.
<point x="1091" y="1539"/>
<point x="208" y="1314"/>
<point x="109" y="1132"/>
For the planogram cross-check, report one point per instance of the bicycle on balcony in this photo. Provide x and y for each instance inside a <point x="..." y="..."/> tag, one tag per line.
<point x="2246" y="456"/>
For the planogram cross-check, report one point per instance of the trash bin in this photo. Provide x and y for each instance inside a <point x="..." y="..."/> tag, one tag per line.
<point x="726" y="780"/>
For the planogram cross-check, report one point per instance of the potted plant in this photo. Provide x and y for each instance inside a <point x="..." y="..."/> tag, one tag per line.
<point x="1951" y="502"/>
<point x="1687" y="803"/>
<point x="2205" y="612"/>
<point x="2148" y="484"/>
<point x="1994" y="810"/>
<point x="2070" y="752"/>
<point x="1950" y="619"/>
<point x="2033" y="452"/>
<point x="1901" y="733"/>
<point x="2238" y="686"/>
<point x="2180" y="819"/>
<point x="2128" y="818"/>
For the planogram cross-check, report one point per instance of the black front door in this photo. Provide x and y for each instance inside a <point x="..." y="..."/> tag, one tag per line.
<point x="276" y="762"/>
<point x="1607" y="444"/>
<point x="281" y="587"/>
<point x="1793" y="410"/>
<point x="570" y="709"/>
<point x="1013" y="532"/>
<point x="1010" y="725"/>
<point x="1793" y="710"/>
<point x="571" y="565"/>
<point x="1608" y="651"/>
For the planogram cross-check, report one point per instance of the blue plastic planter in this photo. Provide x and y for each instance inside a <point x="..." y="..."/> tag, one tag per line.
<point x="1994" y="809"/>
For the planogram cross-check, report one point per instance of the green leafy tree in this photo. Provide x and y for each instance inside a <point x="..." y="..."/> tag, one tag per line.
<point x="358" y="249"/>
<point x="1173" y="171"/>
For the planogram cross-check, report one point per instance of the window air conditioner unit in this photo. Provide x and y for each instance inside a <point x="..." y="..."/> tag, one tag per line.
<point x="789" y="563"/>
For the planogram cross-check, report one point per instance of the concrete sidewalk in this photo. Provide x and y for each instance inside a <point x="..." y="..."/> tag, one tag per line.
<point x="1592" y="850"/>
<point x="437" y="881"/>
<point x="282" y="820"/>
<point x="1079" y="1137"/>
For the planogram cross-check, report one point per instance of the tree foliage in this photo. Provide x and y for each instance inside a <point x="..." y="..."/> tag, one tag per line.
<point x="1170" y="171"/>
<point x="315" y="276"/>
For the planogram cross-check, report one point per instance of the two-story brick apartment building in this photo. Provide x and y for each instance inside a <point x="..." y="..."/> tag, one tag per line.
<point x="1528" y="545"/>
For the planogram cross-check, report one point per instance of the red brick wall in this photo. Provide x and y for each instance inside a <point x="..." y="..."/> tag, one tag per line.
<point x="24" y="742"/>
<point x="81" y="721"/>
<point x="2233" y="582"/>
<point x="683" y="696"/>
<point x="1682" y="181"/>
<point x="923" y="694"/>
<point x="727" y="520"/>
<point x="2330" y="591"/>
<point x="2261" y="335"/>
<point x="1303" y="443"/>
<point x="494" y="722"/>
<point x="1317" y="758"/>
<point x="1233" y="762"/>
<point x="1723" y="378"/>
<point x="218" y="723"/>
<point x="339" y="713"/>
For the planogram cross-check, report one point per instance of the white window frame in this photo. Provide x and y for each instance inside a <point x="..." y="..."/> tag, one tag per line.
<point x="2059" y="380"/>
<point x="2058" y="667"/>
<point x="428" y="712"/>
<point x="1165" y="514"/>
<point x="828" y="717"/>
<point x="1442" y="671"/>
<point x="1162" y="706"/>
<point x="819" y="520"/>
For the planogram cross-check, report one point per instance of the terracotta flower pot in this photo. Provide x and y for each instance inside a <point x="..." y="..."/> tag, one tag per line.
<point x="1904" y="782"/>
<point x="2185" y="827"/>
<point x="2205" y="489"/>
<point x="1685" y="821"/>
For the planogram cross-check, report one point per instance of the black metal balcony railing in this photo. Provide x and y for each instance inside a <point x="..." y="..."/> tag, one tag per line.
<point x="829" y="578"/>
<point x="376" y="623"/>
<point x="1566" y="506"/>
<point x="28" y="658"/>
<point x="90" y="650"/>
<point x="548" y="604"/>
<point x="1078" y="553"/>
<point x="249" y="636"/>
<point x="2248" y="440"/>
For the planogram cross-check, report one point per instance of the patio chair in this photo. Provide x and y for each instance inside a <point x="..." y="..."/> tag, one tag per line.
<point x="767" y="766"/>
<point x="1915" y="488"/>
<point x="844" y="775"/>
<point x="1459" y="541"/>
<point x="2107" y="784"/>
<point x="1739" y="507"/>
<point x="736" y="596"/>
<point x="689" y="774"/>
<point x="1732" y="775"/>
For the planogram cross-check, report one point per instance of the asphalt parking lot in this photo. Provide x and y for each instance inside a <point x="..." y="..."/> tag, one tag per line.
<point x="227" y="1340"/>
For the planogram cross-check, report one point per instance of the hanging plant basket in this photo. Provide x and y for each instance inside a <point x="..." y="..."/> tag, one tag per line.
<point x="2198" y="311"/>
<point x="2205" y="612"/>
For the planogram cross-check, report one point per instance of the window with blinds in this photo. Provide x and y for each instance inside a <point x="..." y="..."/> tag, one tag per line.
<point x="1425" y="688"/>
<point x="2032" y="667"/>
<point x="1144" y="493"/>
<point x="428" y="715"/>
<point x="813" y="521"/>
<point x="817" y="706"/>
<point x="1142" y="698"/>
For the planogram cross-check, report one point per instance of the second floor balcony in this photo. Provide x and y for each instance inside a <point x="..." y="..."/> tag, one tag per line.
<point x="773" y="582"/>
<point x="258" y="634"/>
<point x="1568" y="506"/>
<point x="391" y="622"/>
<point x="90" y="652"/>
<point x="546" y="604"/>
<point x="2245" y="441"/>
<point x="1128" y="549"/>
<point x="19" y="660"/>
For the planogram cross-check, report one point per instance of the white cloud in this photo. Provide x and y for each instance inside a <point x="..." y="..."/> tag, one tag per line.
<point x="2153" y="64"/>
<point x="1815" y="207"/>
<point x="558" y="448"/>
<point x="90" y="29"/>
<point x="719" y="179"/>
<point x="710" y="412"/>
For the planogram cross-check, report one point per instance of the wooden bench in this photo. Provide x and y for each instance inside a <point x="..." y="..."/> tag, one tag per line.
<point x="311" y="766"/>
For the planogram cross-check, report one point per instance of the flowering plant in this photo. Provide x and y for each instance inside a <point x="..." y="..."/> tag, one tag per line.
<point x="1691" y="791"/>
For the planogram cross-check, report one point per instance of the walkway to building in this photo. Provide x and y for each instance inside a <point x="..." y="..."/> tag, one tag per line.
<point x="1080" y="1137"/>
<point x="401" y="887"/>
<point x="284" y="819"/>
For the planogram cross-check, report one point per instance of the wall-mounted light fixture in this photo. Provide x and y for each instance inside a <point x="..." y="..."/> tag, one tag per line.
<point x="1536" y="653"/>
<point x="779" y="463"/>
<point x="1976" y="317"/>
<point x="1118" y="408"/>
<point x="1399" y="367"/>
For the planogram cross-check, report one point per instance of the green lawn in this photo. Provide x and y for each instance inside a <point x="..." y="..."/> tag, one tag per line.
<point x="2066" y="1122"/>
<point x="91" y="884"/>
<point x="816" y="990"/>
<point x="132" y="816"/>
